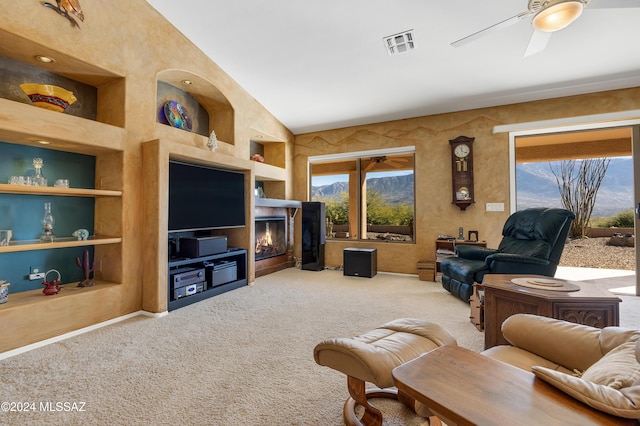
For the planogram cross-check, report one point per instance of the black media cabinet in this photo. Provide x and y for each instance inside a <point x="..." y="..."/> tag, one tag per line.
<point x="202" y="273"/>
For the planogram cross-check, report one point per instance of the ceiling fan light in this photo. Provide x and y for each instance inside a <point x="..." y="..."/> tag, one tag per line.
<point x="557" y="16"/>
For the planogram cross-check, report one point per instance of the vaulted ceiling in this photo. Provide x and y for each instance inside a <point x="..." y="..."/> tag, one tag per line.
<point x="319" y="65"/>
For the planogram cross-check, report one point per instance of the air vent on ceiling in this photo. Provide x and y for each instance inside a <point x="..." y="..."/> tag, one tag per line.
<point x="399" y="43"/>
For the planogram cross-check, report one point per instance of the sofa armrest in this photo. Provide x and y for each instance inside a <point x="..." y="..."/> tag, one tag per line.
<point x="573" y="346"/>
<point x="474" y="252"/>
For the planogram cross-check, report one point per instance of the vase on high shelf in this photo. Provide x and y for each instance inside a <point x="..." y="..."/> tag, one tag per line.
<point x="38" y="178"/>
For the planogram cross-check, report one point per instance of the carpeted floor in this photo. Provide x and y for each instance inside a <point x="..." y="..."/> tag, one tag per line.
<point x="241" y="358"/>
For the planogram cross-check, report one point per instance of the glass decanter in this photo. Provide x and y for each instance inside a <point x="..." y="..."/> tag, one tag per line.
<point x="47" y="225"/>
<point x="38" y="178"/>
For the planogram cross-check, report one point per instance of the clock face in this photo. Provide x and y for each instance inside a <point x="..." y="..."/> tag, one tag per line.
<point x="461" y="151"/>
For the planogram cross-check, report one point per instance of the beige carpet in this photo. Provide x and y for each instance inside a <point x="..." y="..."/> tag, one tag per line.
<point x="241" y="358"/>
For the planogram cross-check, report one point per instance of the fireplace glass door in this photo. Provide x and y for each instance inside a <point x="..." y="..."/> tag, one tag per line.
<point x="271" y="236"/>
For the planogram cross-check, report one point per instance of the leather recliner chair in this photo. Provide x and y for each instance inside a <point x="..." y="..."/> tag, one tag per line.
<point x="532" y="243"/>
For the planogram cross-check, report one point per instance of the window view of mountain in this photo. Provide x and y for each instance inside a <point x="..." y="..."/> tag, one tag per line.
<point x="394" y="189"/>
<point x="536" y="187"/>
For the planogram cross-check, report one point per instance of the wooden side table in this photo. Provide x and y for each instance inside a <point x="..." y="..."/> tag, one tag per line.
<point x="476" y="306"/>
<point x="463" y="387"/>
<point x="591" y="305"/>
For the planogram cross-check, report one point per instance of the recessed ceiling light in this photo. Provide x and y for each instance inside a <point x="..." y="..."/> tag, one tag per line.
<point x="43" y="142"/>
<point x="45" y="59"/>
<point x="187" y="82"/>
<point x="399" y="43"/>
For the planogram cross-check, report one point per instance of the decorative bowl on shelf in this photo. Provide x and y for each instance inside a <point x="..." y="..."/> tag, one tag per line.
<point x="177" y="115"/>
<point x="49" y="97"/>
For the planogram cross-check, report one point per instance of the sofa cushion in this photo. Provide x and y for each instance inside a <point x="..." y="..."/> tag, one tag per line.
<point x="611" y="385"/>
<point x="617" y="369"/>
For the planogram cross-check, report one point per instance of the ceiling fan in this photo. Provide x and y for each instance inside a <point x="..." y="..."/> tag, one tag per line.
<point x="548" y="16"/>
<point x="395" y="162"/>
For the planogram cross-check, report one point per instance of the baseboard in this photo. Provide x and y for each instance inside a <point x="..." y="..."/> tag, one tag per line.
<point x="27" y="348"/>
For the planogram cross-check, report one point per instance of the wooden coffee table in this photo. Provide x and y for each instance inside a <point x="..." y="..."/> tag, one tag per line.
<point x="591" y="305"/>
<point x="463" y="387"/>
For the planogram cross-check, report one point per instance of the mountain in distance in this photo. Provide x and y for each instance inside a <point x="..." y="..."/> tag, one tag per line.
<point x="395" y="189"/>
<point x="536" y="187"/>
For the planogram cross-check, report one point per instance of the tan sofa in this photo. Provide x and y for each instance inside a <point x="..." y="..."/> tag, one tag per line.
<point x="600" y="367"/>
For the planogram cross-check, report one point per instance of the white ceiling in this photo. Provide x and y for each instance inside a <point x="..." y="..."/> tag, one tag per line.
<point x="319" y="65"/>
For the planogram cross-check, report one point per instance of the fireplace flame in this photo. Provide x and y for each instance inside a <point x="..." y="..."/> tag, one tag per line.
<point x="265" y="241"/>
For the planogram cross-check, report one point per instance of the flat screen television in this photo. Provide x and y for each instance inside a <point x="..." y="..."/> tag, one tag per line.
<point x="203" y="198"/>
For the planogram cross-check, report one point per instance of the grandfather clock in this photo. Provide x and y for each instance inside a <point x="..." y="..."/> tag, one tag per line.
<point x="462" y="171"/>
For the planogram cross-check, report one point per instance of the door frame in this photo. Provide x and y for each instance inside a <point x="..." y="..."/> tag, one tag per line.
<point x="629" y="119"/>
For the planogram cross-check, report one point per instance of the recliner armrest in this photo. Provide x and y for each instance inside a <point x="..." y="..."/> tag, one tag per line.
<point x="509" y="263"/>
<point x="574" y="346"/>
<point x="519" y="258"/>
<point x="474" y="252"/>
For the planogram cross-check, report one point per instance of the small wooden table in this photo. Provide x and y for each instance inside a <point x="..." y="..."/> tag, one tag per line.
<point x="463" y="387"/>
<point x="591" y="305"/>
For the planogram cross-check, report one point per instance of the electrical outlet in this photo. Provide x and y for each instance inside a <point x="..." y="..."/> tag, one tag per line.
<point x="35" y="274"/>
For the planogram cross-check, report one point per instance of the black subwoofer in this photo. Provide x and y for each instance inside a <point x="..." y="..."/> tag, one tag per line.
<point x="360" y="262"/>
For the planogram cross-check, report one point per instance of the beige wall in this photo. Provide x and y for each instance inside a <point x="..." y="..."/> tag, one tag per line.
<point x="122" y="48"/>
<point x="435" y="214"/>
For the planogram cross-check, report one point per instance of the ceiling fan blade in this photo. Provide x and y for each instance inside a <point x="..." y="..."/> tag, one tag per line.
<point x="537" y="43"/>
<point x="500" y="25"/>
<point x="395" y="164"/>
<point x="612" y="4"/>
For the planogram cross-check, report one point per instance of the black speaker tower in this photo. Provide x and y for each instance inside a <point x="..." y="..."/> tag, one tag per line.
<point x="313" y="235"/>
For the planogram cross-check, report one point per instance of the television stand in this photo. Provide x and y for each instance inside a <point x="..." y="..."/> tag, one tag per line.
<point x="206" y="276"/>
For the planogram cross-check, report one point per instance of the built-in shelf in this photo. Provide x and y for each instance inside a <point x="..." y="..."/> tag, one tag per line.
<point x="64" y="132"/>
<point x="33" y="297"/>
<point x="272" y="202"/>
<point x="52" y="190"/>
<point x="66" y="242"/>
<point x="268" y="172"/>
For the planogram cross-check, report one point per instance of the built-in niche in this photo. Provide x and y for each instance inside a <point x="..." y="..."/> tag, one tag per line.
<point x="209" y="108"/>
<point x="23" y="213"/>
<point x="196" y="114"/>
<point x="15" y="73"/>
<point x="273" y="153"/>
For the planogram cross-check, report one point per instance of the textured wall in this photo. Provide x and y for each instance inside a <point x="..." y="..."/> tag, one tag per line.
<point x="430" y="135"/>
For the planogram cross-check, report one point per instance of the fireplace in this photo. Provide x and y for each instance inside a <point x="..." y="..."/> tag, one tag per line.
<point x="271" y="236"/>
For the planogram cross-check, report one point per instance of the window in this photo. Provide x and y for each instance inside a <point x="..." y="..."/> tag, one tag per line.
<point x="368" y="195"/>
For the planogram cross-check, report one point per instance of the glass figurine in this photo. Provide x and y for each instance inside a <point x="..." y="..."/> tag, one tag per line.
<point x="47" y="225"/>
<point x="38" y="179"/>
